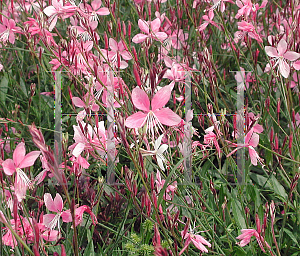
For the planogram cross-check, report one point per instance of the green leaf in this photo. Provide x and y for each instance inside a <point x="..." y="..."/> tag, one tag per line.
<point x="89" y="250"/>
<point x="23" y="87"/>
<point x="3" y="89"/>
<point x="271" y="184"/>
<point x="237" y="213"/>
<point x="291" y="235"/>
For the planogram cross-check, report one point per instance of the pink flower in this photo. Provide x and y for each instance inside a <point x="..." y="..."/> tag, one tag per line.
<point x="251" y="141"/>
<point x="220" y="3"/>
<point x="118" y="48"/>
<point x="19" y="161"/>
<point x="197" y="240"/>
<point x="56" y="205"/>
<point x="280" y="54"/>
<point x="246" y="7"/>
<point x="151" y="29"/>
<point x="57" y="9"/>
<point x="246" y="235"/>
<point x="67" y="217"/>
<point x="208" y="20"/>
<point x="157" y="115"/>
<point x="7" y="30"/>
<point x="22" y="226"/>
<point x="211" y="138"/>
<point x="89" y="140"/>
<point x="94" y="9"/>
<point x="160" y="184"/>
<point x="250" y="29"/>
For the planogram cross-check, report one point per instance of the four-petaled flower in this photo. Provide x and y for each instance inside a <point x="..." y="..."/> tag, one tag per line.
<point x="157" y="115"/>
<point x="158" y="152"/>
<point x="7" y="30"/>
<point x="197" y="240"/>
<point x="151" y="29"/>
<point x="280" y="54"/>
<point x="251" y="141"/>
<point x="19" y="161"/>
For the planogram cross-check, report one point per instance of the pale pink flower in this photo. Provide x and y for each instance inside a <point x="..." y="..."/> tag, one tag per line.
<point x="22" y="226"/>
<point x="8" y="30"/>
<point x="157" y="115"/>
<point x="251" y="141"/>
<point x="158" y="152"/>
<point x="219" y="4"/>
<point x="57" y="9"/>
<point x="279" y="54"/>
<point x="151" y="29"/>
<point x="177" y="71"/>
<point x="90" y="139"/>
<point x="46" y="233"/>
<point x="118" y="48"/>
<point x="178" y="38"/>
<point x="210" y="138"/>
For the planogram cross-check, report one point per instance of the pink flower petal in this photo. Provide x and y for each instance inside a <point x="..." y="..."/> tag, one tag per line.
<point x="19" y="154"/>
<point x="53" y="205"/>
<point x="155" y="25"/>
<point x="143" y="25"/>
<point x="58" y="203"/>
<point x="282" y="46"/>
<point x="160" y="36"/>
<point x="167" y="117"/>
<point x="271" y="51"/>
<point x="162" y="97"/>
<point x="296" y="65"/>
<point x="139" y="38"/>
<point x="136" y="120"/>
<point x="9" y="167"/>
<point x="78" y="149"/>
<point x="140" y="99"/>
<point x="284" y="68"/>
<point x="50" y="10"/>
<point x="113" y="44"/>
<point x="66" y="216"/>
<point x="253" y="155"/>
<point x="11" y="38"/>
<point x="292" y="56"/>
<point x="29" y="159"/>
<point x="103" y="11"/>
<point x="96" y="4"/>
